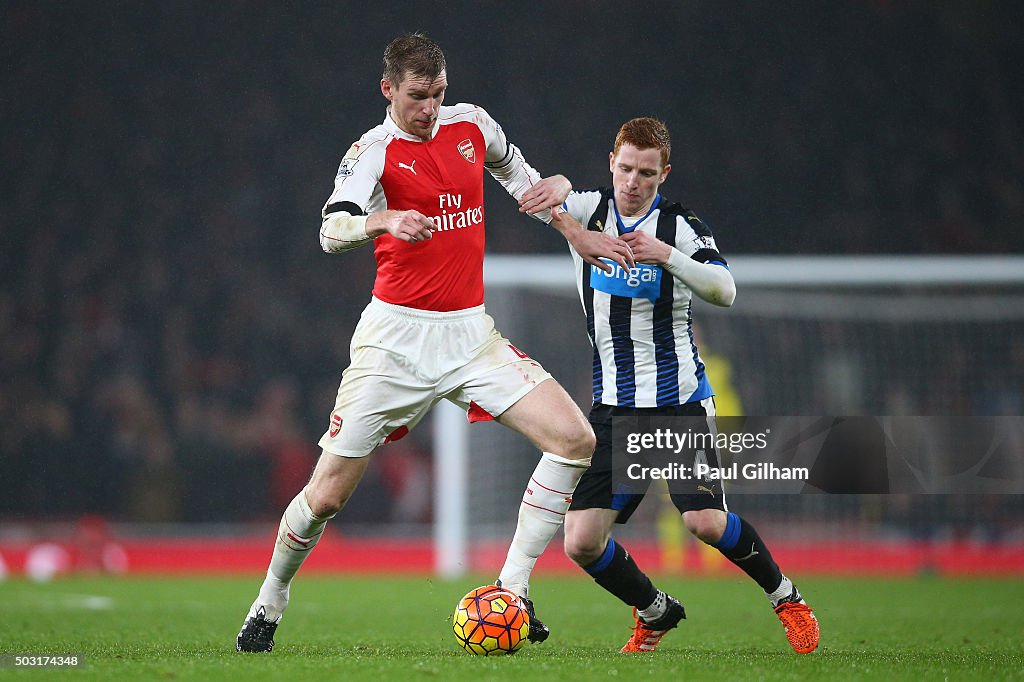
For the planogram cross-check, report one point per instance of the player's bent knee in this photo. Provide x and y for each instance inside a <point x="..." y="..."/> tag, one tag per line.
<point x="334" y="480"/>
<point x="707" y="524"/>
<point x="584" y="549"/>
<point x="323" y="504"/>
<point x="327" y="496"/>
<point x="580" y="442"/>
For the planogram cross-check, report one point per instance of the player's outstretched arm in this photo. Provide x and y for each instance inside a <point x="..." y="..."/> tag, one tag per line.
<point x="709" y="281"/>
<point x="592" y="246"/>
<point x="505" y="162"/>
<point x="342" y="231"/>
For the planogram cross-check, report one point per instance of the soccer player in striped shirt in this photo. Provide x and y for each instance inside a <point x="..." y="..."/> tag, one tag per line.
<point x="646" y="364"/>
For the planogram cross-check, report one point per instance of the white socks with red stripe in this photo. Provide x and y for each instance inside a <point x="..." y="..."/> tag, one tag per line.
<point x="298" y="533"/>
<point x="541" y="513"/>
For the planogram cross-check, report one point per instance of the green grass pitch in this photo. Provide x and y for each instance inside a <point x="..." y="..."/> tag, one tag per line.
<point x="346" y="628"/>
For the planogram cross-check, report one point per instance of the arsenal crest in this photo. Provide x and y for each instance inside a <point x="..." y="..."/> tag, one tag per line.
<point x="467" y="150"/>
<point x="335" y="425"/>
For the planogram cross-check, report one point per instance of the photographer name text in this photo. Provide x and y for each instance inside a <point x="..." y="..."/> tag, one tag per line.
<point x="759" y="471"/>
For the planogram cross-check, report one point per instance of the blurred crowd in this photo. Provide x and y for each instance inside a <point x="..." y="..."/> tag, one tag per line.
<point x="171" y="336"/>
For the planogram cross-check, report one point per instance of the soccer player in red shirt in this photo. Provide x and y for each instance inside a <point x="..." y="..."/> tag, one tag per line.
<point x="413" y="186"/>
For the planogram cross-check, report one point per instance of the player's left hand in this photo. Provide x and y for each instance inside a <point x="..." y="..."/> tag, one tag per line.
<point x="547" y="193"/>
<point x="592" y="246"/>
<point x="647" y="248"/>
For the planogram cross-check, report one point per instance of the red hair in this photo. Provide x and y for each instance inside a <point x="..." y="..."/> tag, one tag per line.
<point x="645" y="133"/>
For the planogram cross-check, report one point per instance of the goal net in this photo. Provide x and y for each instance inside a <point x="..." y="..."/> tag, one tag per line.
<point x="837" y="336"/>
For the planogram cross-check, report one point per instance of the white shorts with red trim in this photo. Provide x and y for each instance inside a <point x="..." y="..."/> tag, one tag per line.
<point x="405" y="360"/>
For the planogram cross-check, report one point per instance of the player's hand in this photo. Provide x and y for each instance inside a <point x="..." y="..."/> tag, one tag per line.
<point x="647" y="248"/>
<point x="547" y="193"/>
<point x="410" y="226"/>
<point x="592" y="246"/>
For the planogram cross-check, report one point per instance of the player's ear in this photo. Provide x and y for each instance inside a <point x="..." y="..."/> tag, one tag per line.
<point x="385" y="89"/>
<point x="665" y="172"/>
<point x="611" y="161"/>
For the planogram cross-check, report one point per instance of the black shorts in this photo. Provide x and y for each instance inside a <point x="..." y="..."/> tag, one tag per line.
<point x="596" y="490"/>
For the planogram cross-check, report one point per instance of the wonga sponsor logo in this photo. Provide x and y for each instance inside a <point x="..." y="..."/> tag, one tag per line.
<point x="640" y="281"/>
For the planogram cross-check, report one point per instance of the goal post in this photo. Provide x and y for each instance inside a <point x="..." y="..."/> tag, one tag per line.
<point x="554" y="271"/>
<point x="809" y="335"/>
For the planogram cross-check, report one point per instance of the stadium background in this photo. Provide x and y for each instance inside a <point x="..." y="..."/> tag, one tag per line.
<point x="171" y="336"/>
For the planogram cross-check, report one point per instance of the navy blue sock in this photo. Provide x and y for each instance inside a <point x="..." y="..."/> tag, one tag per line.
<point x="616" y="572"/>
<point x="741" y="545"/>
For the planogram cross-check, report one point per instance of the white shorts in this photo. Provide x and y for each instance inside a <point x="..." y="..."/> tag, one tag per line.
<point x="405" y="360"/>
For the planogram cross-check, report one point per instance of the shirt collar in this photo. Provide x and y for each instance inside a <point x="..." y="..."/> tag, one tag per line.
<point x="618" y="219"/>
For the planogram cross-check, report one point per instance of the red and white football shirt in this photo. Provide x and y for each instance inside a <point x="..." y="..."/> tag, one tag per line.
<point x="442" y="178"/>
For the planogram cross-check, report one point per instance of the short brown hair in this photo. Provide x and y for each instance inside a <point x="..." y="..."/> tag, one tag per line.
<point x="412" y="54"/>
<point x="645" y="133"/>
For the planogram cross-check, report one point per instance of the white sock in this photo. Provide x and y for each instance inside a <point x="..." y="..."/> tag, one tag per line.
<point x="298" y="533"/>
<point x="656" y="610"/>
<point x="541" y="514"/>
<point x="784" y="589"/>
<point x="273" y="598"/>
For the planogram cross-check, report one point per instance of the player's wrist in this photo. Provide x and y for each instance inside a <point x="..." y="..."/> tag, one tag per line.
<point x="566" y="187"/>
<point x="381" y="223"/>
<point x="576" y="236"/>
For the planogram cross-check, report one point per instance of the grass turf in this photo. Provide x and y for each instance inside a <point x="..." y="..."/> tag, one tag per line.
<point x="398" y="629"/>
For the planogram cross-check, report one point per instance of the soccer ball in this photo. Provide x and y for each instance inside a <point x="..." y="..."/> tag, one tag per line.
<point x="490" y="621"/>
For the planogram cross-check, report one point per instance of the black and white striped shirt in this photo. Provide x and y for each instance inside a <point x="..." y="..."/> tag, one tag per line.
<point x="639" y="320"/>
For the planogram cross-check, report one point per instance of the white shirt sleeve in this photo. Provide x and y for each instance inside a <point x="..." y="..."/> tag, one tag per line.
<point x="581" y="205"/>
<point x="505" y="162"/>
<point x="357" y="193"/>
<point x="357" y="183"/>
<point x="692" y="235"/>
<point x="710" y="280"/>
